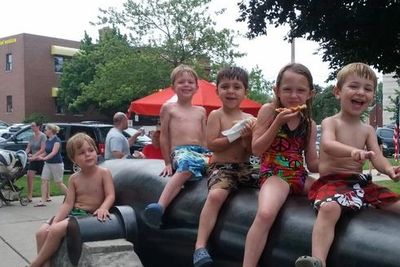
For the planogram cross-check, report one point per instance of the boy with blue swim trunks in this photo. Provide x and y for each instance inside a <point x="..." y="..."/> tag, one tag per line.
<point x="182" y="140"/>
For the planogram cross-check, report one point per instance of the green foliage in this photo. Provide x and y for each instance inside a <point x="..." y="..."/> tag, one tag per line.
<point x="393" y="186"/>
<point x="379" y="94"/>
<point x="110" y="74"/>
<point x="78" y="72"/>
<point x="347" y="31"/>
<point x="324" y="104"/>
<point x="162" y="34"/>
<point x="36" y="117"/>
<point x="181" y="31"/>
<point x="260" y="89"/>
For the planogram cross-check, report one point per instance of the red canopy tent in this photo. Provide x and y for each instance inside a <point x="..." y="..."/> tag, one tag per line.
<point x="206" y="96"/>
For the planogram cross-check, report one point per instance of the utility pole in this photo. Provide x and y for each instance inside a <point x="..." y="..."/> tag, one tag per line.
<point x="293" y="51"/>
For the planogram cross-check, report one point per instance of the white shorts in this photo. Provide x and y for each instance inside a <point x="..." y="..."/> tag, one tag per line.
<point x="53" y="170"/>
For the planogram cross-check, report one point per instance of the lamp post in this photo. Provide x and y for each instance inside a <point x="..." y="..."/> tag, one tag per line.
<point x="292" y="50"/>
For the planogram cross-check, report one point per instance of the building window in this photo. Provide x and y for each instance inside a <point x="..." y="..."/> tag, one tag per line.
<point x="58" y="64"/>
<point x="60" y="108"/>
<point x="9" y="104"/>
<point x="9" y="61"/>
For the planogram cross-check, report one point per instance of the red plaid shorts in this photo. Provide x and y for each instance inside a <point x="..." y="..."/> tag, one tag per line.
<point x="350" y="190"/>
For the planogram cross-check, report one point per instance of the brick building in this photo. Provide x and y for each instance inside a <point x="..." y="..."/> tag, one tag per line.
<point x="30" y="76"/>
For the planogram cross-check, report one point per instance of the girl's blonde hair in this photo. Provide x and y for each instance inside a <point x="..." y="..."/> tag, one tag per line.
<point x="76" y="142"/>
<point x="360" y="69"/>
<point x="183" y="69"/>
<point x="52" y="127"/>
<point x="301" y="70"/>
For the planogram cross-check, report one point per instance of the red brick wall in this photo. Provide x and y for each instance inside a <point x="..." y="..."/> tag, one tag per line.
<point x="32" y="78"/>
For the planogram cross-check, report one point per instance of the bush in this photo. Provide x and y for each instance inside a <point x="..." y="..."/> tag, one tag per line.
<point x="36" y="117"/>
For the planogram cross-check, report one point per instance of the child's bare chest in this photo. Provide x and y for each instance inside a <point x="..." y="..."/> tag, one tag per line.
<point x="90" y="187"/>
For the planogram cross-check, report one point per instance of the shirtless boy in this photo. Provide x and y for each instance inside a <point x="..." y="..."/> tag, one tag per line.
<point x="90" y="192"/>
<point x="345" y="145"/>
<point x="183" y="128"/>
<point x="230" y="165"/>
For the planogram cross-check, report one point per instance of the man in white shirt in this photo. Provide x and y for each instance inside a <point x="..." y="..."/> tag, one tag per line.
<point x="117" y="145"/>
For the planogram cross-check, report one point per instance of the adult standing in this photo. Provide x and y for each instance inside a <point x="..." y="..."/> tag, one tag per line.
<point x="35" y="149"/>
<point x="117" y="145"/>
<point x="53" y="163"/>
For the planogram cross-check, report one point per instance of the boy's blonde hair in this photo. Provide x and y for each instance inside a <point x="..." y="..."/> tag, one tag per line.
<point x="183" y="69"/>
<point x="52" y="127"/>
<point x="360" y="69"/>
<point x="76" y="142"/>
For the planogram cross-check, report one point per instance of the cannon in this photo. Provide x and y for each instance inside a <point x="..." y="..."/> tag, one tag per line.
<point x="367" y="238"/>
<point x="121" y="224"/>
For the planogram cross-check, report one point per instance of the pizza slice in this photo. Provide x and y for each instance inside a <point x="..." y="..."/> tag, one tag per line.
<point x="293" y="109"/>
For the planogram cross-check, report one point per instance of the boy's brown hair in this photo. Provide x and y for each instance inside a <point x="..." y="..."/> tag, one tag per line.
<point x="360" y="69"/>
<point x="234" y="73"/>
<point x="183" y="69"/>
<point x="76" y="142"/>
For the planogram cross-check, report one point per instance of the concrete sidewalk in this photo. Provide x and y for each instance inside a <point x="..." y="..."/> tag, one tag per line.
<point x="18" y="226"/>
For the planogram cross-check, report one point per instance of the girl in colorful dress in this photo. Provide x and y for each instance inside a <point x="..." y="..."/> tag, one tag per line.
<point x="284" y="132"/>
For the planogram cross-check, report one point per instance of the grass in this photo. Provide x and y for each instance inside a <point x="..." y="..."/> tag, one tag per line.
<point x="395" y="187"/>
<point x="392" y="161"/>
<point x="54" y="190"/>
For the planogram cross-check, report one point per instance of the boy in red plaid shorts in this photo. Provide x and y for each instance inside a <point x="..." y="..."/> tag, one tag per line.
<point x="345" y="145"/>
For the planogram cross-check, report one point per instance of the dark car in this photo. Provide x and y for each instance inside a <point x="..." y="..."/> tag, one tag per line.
<point x="97" y="131"/>
<point x="386" y="136"/>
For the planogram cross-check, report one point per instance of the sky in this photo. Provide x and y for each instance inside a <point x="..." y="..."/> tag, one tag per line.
<point x="68" y="19"/>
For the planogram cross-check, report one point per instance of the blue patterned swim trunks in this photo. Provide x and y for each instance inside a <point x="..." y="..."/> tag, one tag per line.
<point x="190" y="158"/>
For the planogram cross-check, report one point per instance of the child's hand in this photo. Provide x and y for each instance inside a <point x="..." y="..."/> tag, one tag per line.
<point x="167" y="171"/>
<point x="102" y="214"/>
<point x="360" y="155"/>
<point x="248" y="129"/>
<point x="286" y="115"/>
<point x="394" y="173"/>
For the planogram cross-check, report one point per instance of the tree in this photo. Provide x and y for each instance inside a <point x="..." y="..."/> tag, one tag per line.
<point x="180" y="30"/>
<point x="260" y="89"/>
<point x="324" y="104"/>
<point x="348" y="31"/>
<point x="110" y="74"/>
<point x="78" y="72"/>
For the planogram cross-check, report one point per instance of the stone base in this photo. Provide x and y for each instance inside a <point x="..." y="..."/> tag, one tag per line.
<point x="110" y="253"/>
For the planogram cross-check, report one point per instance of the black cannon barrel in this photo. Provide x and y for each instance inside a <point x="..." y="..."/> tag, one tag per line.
<point x="367" y="238"/>
<point x="122" y="224"/>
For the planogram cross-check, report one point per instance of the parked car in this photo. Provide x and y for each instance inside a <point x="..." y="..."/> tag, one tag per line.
<point x="3" y="125"/>
<point x="4" y="130"/>
<point x="16" y="127"/>
<point x="386" y="135"/>
<point x="141" y="141"/>
<point x="12" y="129"/>
<point x="97" y="131"/>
